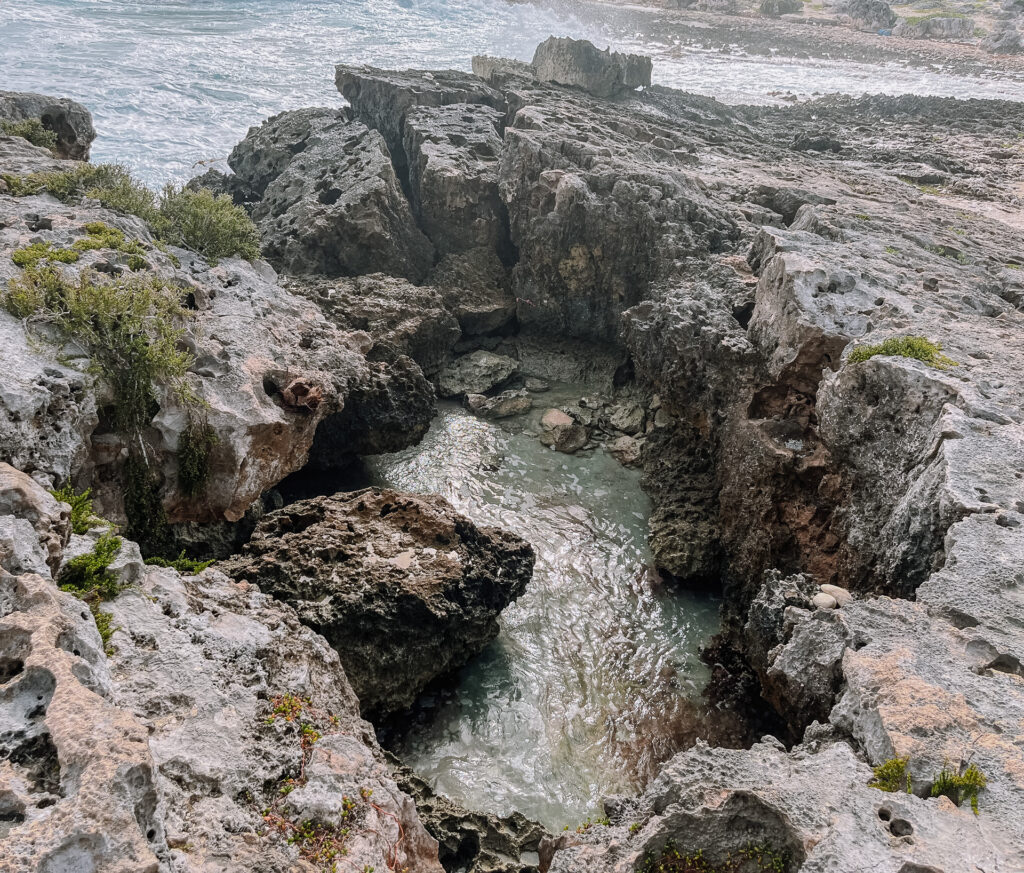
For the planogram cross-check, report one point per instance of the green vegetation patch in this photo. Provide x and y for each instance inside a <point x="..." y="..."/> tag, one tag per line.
<point x="752" y="858"/>
<point x="89" y="578"/>
<point x="958" y="786"/>
<point x="184" y="565"/>
<point x="83" y="518"/>
<point x="917" y="347"/>
<point x="198" y="220"/>
<point x="891" y="776"/>
<point x="194" y="447"/>
<point x="31" y="129"/>
<point x="98" y="236"/>
<point x="131" y="328"/>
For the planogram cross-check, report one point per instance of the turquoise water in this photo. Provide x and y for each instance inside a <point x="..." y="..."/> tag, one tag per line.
<point x="593" y="678"/>
<point x="176" y="83"/>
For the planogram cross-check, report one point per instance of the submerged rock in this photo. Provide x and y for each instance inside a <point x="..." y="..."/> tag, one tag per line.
<point x="403" y="587"/>
<point x="504" y="405"/>
<point x="562" y="432"/>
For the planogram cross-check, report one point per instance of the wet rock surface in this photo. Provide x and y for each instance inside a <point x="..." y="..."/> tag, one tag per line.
<point x="403" y="587"/>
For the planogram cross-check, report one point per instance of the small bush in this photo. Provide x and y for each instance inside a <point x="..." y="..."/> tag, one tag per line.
<point x="185" y="566"/>
<point x="129" y="326"/>
<point x="147" y="518"/>
<point x="198" y="220"/>
<point x="208" y="224"/>
<point x="752" y="858"/>
<point x="31" y="255"/>
<point x="98" y="236"/>
<point x="891" y="776"/>
<point x="959" y="787"/>
<point x="88" y="577"/>
<point x="31" y="129"/>
<point x="194" y="447"/>
<point x="83" y="519"/>
<point x="917" y="347"/>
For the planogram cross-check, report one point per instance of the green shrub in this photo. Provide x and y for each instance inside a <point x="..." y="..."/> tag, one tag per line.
<point x="31" y="255"/>
<point x="147" y="519"/>
<point x="752" y="858"/>
<point x="198" y="220"/>
<point x="83" y="519"/>
<point x="918" y="347"/>
<point x="194" y="446"/>
<point x="208" y="224"/>
<point x="129" y="326"/>
<point x="186" y="566"/>
<point x="89" y="578"/>
<point x="891" y="776"/>
<point x="959" y="787"/>
<point x="98" y="236"/>
<point x="31" y="129"/>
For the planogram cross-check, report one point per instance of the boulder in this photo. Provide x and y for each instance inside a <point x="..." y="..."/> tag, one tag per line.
<point x="403" y="587"/>
<point x="580" y="63"/>
<point x="454" y="153"/>
<point x="504" y="405"/>
<point x="336" y="208"/>
<point x="476" y="373"/>
<point x="562" y="432"/>
<point x="68" y="119"/>
<point x="34" y="525"/>
<point x="869" y="14"/>
<point x="626" y="450"/>
<point x="937" y="27"/>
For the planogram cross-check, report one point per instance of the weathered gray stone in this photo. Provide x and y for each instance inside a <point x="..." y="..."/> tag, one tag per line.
<point x="476" y="373"/>
<point x="338" y="209"/>
<point x="505" y="404"/>
<point x="70" y="120"/>
<point x="403" y="587"/>
<point x="578" y="62"/>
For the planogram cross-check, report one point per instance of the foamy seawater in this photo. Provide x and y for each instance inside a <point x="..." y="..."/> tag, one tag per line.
<point x="174" y="84"/>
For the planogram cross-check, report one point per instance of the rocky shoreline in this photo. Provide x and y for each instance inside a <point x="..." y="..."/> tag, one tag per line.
<point x="719" y="278"/>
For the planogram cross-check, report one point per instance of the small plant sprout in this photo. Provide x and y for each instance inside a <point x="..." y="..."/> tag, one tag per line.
<point x="958" y="786"/>
<point x="891" y="775"/>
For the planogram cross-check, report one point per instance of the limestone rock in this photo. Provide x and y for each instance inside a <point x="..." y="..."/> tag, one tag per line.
<point x="503" y="405"/>
<point x="580" y="63"/>
<point x="476" y="373"/>
<point x="840" y="595"/>
<point x="405" y="589"/>
<point x="821" y="600"/>
<point x="400" y="317"/>
<point x="338" y="209"/>
<point x="37" y="525"/>
<point x="626" y="450"/>
<point x="70" y="120"/>
<point x="562" y="432"/>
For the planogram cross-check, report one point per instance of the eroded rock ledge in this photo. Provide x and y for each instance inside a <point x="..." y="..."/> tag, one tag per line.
<point x="404" y="588"/>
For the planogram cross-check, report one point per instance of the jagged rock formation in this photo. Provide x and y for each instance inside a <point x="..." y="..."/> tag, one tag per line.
<point x="578" y="62"/>
<point x="174" y="753"/>
<point x="68" y="119"/>
<point x="404" y="588"/>
<point x="269" y="369"/>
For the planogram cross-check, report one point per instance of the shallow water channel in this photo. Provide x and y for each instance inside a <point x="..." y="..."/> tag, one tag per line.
<point x="593" y="677"/>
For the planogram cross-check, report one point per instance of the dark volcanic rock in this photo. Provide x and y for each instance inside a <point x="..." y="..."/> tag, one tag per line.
<point x="336" y="206"/>
<point x="71" y="121"/>
<point x="403" y="587"/>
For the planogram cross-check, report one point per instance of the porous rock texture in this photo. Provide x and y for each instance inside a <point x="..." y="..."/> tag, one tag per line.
<point x="68" y="119"/>
<point x="405" y="588"/>
<point x="269" y="371"/>
<point x="567" y="61"/>
<point x="172" y="754"/>
<point x="329" y="199"/>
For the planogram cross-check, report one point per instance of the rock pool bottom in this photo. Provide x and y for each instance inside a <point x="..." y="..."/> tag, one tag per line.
<point x="594" y="678"/>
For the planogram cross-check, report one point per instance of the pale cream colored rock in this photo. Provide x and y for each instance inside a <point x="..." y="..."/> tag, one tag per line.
<point x="824" y="601"/>
<point x="841" y="595"/>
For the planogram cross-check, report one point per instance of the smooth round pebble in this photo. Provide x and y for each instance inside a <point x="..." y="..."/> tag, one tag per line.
<point x="841" y="595"/>
<point x="824" y="601"/>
